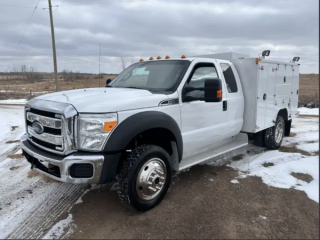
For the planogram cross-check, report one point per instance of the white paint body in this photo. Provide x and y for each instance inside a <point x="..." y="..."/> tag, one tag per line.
<point x="207" y="130"/>
<point x="267" y="78"/>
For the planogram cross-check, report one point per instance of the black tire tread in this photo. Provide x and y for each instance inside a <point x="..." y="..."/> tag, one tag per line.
<point x="126" y="172"/>
<point x="269" y="138"/>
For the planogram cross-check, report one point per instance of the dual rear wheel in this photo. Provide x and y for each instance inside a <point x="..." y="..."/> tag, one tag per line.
<point x="271" y="137"/>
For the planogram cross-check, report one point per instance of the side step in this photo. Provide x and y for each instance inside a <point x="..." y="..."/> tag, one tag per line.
<point x="212" y="155"/>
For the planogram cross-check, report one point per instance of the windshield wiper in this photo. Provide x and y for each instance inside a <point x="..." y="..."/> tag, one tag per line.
<point x="136" y="88"/>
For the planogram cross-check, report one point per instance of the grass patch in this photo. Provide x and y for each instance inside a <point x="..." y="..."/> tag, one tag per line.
<point x="14" y="128"/>
<point x="292" y="134"/>
<point x="293" y="149"/>
<point x="303" y="177"/>
<point x="13" y="141"/>
<point x="311" y="141"/>
<point x="15" y="156"/>
<point x="14" y="168"/>
<point x="268" y="164"/>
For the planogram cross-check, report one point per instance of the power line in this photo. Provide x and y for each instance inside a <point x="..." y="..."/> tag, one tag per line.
<point x="81" y="4"/>
<point x="102" y="2"/>
<point x="24" y="31"/>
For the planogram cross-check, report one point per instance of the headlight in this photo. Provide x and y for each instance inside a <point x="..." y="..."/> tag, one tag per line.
<point x="94" y="130"/>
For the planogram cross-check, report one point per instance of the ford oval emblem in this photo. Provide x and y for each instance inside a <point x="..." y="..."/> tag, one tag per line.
<point x="37" y="127"/>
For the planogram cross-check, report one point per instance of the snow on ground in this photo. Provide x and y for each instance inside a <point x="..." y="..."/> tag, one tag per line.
<point x="59" y="229"/>
<point x="276" y="167"/>
<point x="29" y="203"/>
<point x="13" y="101"/>
<point x="308" y="111"/>
<point x="12" y="125"/>
<point x="306" y="135"/>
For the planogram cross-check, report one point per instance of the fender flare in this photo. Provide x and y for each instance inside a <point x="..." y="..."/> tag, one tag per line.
<point x="138" y="123"/>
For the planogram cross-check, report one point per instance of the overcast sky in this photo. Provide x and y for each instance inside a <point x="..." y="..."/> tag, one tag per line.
<point x="145" y="28"/>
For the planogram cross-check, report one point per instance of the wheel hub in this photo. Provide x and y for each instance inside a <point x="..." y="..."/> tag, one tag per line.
<point x="151" y="179"/>
<point x="279" y="132"/>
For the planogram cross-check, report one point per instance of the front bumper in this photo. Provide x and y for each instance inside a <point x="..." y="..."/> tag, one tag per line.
<point x="61" y="167"/>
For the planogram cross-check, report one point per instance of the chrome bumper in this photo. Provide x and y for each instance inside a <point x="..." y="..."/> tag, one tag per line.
<point x="64" y="164"/>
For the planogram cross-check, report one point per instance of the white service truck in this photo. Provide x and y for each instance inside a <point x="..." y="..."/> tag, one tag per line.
<point x="158" y="117"/>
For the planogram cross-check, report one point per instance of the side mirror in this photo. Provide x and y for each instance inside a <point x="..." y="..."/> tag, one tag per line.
<point x="108" y="81"/>
<point x="213" y="90"/>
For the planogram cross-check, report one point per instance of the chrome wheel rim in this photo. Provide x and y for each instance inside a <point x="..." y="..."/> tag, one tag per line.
<point x="279" y="132"/>
<point x="151" y="179"/>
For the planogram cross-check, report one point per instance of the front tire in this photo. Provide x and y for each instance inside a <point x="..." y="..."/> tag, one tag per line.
<point x="274" y="135"/>
<point x="144" y="178"/>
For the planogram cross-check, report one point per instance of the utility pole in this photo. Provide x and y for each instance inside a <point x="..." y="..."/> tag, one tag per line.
<point x="53" y="47"/>
<point x="99" y="63"/>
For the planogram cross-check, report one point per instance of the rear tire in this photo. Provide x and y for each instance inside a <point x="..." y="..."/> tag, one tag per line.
<point x="144" y="178"/>
<point x="274" y="135"/>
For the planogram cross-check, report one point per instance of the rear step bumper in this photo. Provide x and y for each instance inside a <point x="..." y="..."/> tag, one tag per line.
<point x="75" y="168"/>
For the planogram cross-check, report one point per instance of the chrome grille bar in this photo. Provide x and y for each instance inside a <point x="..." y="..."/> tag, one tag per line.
<point x="46" y="137"/>
<point x="45" y="121"/>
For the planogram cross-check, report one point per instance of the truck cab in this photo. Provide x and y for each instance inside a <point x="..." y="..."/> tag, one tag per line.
<point x="157" y="117"/>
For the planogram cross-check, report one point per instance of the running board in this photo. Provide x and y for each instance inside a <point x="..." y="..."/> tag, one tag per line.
<point x="226" y="150"/>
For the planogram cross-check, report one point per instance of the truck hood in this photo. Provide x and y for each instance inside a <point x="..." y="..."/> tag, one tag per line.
<point x="97" y="100"/>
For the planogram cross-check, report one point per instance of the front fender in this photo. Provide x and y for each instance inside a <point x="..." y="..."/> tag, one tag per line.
<point x="138" y="123"/>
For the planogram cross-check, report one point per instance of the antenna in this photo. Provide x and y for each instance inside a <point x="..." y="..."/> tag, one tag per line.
<point x="99" y="64"/>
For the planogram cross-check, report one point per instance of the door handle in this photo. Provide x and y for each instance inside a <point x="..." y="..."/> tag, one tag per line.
<point x="225" y="105"/>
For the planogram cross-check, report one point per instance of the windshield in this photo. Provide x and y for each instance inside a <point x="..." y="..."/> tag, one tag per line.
<point x="159" y="76"/>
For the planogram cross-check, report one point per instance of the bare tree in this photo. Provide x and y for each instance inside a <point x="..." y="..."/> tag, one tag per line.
<point x="123" y="63"/>
<point x="69" y="75"/>
<point x="133" y="60"/>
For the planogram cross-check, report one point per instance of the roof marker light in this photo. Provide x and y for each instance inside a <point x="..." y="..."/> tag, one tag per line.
<point x="167" y="57"/>
<point x="183" y="56"/>
<point x="158" y="57"/>
<point x="151" y="58"/>
<point x="141" y="60"/>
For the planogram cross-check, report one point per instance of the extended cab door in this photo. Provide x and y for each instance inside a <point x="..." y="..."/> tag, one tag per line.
<point x="204" y="125"/>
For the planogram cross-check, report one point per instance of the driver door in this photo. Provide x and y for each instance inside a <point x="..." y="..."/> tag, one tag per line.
<point x="204" y="124"/>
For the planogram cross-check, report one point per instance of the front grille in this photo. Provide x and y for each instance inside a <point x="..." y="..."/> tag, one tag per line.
<point x="51" y="138"/>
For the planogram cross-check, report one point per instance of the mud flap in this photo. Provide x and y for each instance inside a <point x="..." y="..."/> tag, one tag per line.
<point x="287" y="129"/>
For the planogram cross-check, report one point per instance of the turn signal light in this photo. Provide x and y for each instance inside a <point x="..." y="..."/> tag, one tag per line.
<point x="108" y="126"/>
<point x="219" y="94"/>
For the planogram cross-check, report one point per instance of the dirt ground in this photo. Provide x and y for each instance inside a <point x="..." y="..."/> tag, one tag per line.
<point x="202" y="203"/>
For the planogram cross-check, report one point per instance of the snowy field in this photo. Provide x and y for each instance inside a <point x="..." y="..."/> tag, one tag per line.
<point x="308" y="111"/>
<point x="31" y="203"/>
<point x="277" y="168"/>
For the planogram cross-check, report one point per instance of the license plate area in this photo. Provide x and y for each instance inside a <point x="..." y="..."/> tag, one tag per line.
<point x="43" y="166"/>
